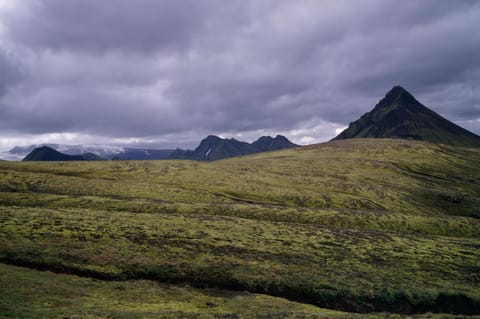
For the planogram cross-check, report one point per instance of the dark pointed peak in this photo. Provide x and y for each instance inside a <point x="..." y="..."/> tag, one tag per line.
<point x="400" y="115"/>
<point x="280" y="137"/>
<point x="278" y="142"/>
<point x="213" y="148"/>
<point x="398" y="96"/>
<point x="397" y="90"/>
<point x="268" y="138"/>
<point x="45" y="148"/>
<point x="46" y="153"/>
<point x="211" y="139"/>
<point x="264" y="139"/>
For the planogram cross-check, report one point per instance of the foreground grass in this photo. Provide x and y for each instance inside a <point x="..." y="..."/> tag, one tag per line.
<point x="358" y="225"/>
<point x="34" y="294"/>
<point x="338" y="268"/>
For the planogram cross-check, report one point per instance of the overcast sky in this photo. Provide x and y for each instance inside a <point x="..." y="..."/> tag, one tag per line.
<point x="167" y="73"/>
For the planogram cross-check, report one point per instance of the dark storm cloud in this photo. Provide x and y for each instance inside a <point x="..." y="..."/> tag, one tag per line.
<point x="141" y="25"/>
<point x="10" y="72"/>
<point x="157" y="69"/>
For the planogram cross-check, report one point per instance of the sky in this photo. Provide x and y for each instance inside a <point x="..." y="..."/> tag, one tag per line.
<point x="165" y="74"/>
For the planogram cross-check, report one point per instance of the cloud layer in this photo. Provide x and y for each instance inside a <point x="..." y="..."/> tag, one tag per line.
<point x="166" y="73"/>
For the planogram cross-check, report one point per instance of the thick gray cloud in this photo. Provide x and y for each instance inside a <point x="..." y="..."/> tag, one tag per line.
<point x="10" y="72"/>
<point x="149" y="71"/>
<point x="99" y="26"/>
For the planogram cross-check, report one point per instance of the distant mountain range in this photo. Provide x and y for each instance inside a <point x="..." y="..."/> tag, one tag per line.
<point x="46" y="153"/>
<point x="211" y="148"/>
<point x="215" y="148"/>
<point x="400" y="115"/>
<point x="105" y="152"/>
<point x="397" y="115"/>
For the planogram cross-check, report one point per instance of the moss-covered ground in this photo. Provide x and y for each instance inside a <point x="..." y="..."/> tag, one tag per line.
<point x="355" y="225"/>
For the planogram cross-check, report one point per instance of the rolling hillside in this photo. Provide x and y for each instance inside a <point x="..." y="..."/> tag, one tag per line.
<point x="358" y="225"/>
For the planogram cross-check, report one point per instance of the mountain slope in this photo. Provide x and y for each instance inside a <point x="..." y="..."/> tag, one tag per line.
<point x="213" y="148"/>
<point x="267" y="143"/>
<point x="400" y="115"/>
<point x="357" y="225"/>
<point x="108" y="152"/>
<point x="46" y="153"/>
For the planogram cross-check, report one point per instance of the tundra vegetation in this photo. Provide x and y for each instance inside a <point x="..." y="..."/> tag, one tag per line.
<point x="366" y="227"/>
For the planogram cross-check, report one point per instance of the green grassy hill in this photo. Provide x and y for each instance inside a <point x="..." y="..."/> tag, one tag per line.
<point x="356" y="225"/>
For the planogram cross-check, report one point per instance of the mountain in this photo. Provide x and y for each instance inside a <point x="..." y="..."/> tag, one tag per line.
<point x="46" y="153"/>
<point x="214" y="148"/>
<point x="400" y="115"/>
<point x="211" y="148"/>
<point x="103" y="151"/>
<point x="267" y="143"/>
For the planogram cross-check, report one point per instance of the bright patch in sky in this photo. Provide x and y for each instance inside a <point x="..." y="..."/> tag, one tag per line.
<point x="340" y="130"/>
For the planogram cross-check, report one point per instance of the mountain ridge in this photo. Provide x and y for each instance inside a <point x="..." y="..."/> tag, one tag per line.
<point x="46" y="153"/>
<point x="210" y="148"/>
<point x="214" y="148"/>
<point x="400" y="115"/>
<point x="107" y="152"/>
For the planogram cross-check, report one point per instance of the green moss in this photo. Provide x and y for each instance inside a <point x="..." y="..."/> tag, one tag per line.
<point x="375" y="223"/>
<point x="33" y="294"/>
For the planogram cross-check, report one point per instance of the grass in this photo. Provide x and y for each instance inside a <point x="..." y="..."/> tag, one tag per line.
<point x="67" y="296"/>
<point x="360" y="225"/>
